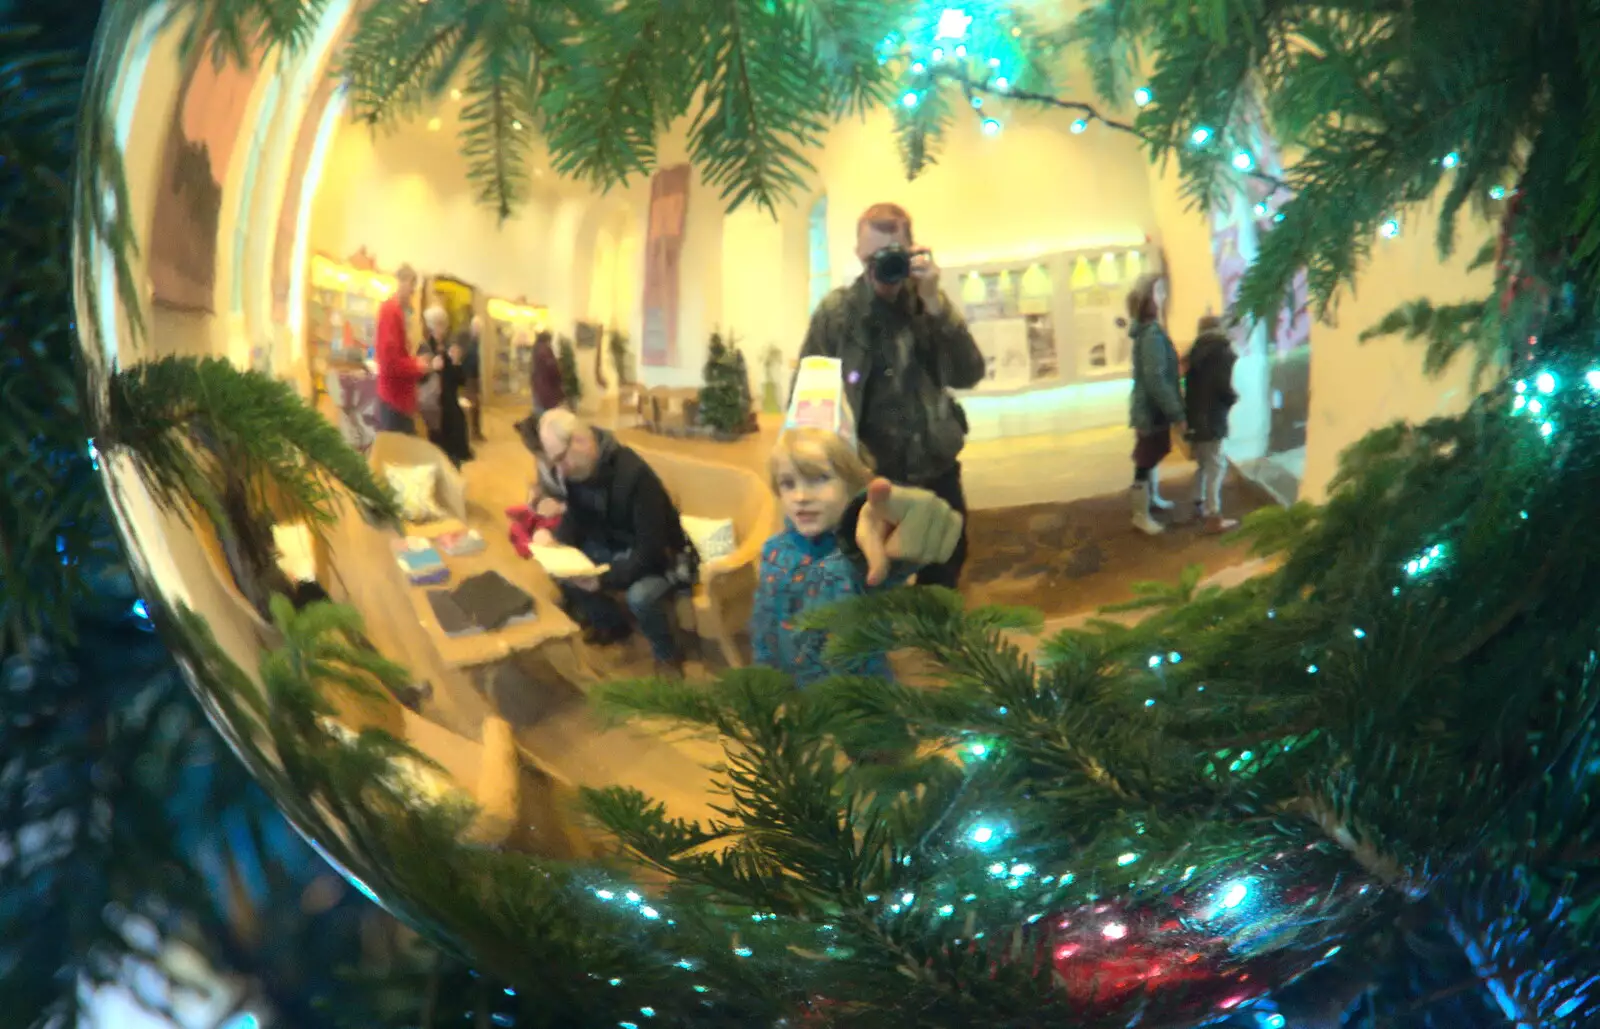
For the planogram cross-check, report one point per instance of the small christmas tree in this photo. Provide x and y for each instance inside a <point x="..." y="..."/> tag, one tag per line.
<point x="747" y="404"/>
<point x="621" y="356"/>
<point x="725" y="397"/>
<point x="571" y="381"/>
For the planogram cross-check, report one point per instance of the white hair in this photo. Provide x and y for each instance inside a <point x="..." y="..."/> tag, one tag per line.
<point x="560" y="425"/>
<point x="436" y="318"/>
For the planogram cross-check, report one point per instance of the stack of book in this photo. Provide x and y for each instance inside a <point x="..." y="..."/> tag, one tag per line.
<point x="482" y="603"/>
<point x="461" y="543"/>
<point x="423" y="565"/>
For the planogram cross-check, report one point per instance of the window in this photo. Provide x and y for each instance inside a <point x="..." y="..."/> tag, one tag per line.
<point x="821" y="273"/>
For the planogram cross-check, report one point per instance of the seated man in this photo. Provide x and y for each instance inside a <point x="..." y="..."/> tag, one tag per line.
<point x="618" y="513"/>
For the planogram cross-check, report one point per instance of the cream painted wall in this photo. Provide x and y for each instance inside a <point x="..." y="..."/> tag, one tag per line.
<point x="1034" y="188"/>
<point x="1357" y="387"/>
<point x="405" y="197"/>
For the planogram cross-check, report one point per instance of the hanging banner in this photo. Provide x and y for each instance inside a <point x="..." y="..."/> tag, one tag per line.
<point x="204" y="132"/>
<point x="669" y="204"/>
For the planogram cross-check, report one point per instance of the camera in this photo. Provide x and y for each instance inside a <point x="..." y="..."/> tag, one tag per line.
<point x="892" y="265"/>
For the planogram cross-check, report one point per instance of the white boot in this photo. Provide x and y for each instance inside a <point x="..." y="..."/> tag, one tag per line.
<point x="1139" y="504"/>
<point x="1157" y="501"/>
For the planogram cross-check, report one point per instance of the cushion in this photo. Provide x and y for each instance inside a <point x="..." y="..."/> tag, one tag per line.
<point x="416" y="489"/>
<point x="712" y="537"/>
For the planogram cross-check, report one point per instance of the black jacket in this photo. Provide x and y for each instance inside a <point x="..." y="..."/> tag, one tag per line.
<point x="1208" y="388"/>
<point x="624" y="509"/>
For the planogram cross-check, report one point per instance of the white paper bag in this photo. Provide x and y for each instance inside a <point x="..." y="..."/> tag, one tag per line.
<point x="818" y="401"/>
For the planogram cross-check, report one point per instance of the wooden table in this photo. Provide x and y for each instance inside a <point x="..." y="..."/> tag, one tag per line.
<point x="551" y="633"/>
<point x="369" y="578"/>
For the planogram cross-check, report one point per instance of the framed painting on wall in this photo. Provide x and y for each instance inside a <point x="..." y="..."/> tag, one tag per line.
<point x="207" y="123"/>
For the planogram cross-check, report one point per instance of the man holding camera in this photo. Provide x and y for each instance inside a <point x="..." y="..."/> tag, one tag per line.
<point x="903" y="346"/>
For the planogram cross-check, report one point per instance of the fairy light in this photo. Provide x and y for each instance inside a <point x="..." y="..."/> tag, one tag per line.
<point x="1142" y="96"/>
<point x="1124" y="860"/>
<point x="991" y="127"/>
<point x="1497" y="192"/>
<point x="1425" y="561"/>
<point x="910" y="100"/>
<point x="1200" y="136"/>
<point x="1242" y="161"/>
<point x="1079" y="126"/>
<point x="1390" y="229"/>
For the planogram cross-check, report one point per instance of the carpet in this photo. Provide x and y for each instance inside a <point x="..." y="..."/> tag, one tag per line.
<point x="1074" y="557"/>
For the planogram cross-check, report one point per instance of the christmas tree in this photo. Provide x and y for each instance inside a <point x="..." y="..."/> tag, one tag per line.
<point x="725" y="393"/>
<point x="1354" y="790"/>
<point x="571" y="381"/>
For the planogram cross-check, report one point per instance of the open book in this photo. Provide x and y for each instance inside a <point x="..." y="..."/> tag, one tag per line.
<point x="566" y="562"/>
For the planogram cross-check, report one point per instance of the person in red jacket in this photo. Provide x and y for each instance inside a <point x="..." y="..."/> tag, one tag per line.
<point x="398" y="370"/>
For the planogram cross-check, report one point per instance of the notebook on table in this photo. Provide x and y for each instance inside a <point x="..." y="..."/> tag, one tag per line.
<point x="566" y="562"/>
<point x="453" y="619"/>
<point x="420" y="561"/>
<point x="490" y="601"/>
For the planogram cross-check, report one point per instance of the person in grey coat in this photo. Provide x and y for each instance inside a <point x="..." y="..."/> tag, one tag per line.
<point x="1156" y="407"/>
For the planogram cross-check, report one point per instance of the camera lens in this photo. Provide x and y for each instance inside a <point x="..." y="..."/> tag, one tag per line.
<point x="891" y="265"/>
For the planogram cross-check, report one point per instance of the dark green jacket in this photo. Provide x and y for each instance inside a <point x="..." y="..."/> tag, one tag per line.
<point x="1157" y="402"/>
<point x="841" y="328"/>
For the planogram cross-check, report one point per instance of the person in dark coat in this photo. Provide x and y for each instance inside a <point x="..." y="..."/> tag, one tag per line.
<point x="619" y="514"/>
<point x="1209" y="396"/>
<point x="451" y="434"/>
<point x="548" y="392"/>
<point x="1155" y="408"/>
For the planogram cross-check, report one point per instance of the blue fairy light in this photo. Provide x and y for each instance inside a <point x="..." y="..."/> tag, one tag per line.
<point x="1002" y="83"/>
<point x="1174" y="657"/>
<point x="1200" y="136"/>
<point x="910" y="100"/>
<point x="1079" y="126"/>
<point x="1242" y="161"/>
<point x="998" y="869"/>
<point x="1155" y="661"/>
<point x="953" y="24"/>
<point x="917" y="68"/>
<point x="1592" y="378"/>
<point x="1545" y="383"/>
<point x="1425" y="560"/>
<point x="1450" y="160"/>
<point x="1390" y="229"/>
<point x="1497" y="192"/>
<point x="1261" y="209"/>
<point x="947" y="910"/>
<point x="1273" y="1021"/>
<point x="1359" y="634"/>
<point x="1150" y="702"/>
<point x="1142" y="96"/>
<point x="981" y="835"/>
<point x="977" y="103"/>
<point x="991" y="127"/>
<point x="1124" y="860"/>
<point x="742" y="952"/>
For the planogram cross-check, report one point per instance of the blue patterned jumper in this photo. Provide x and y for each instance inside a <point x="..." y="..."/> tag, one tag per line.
<point x="798" y="574"/>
